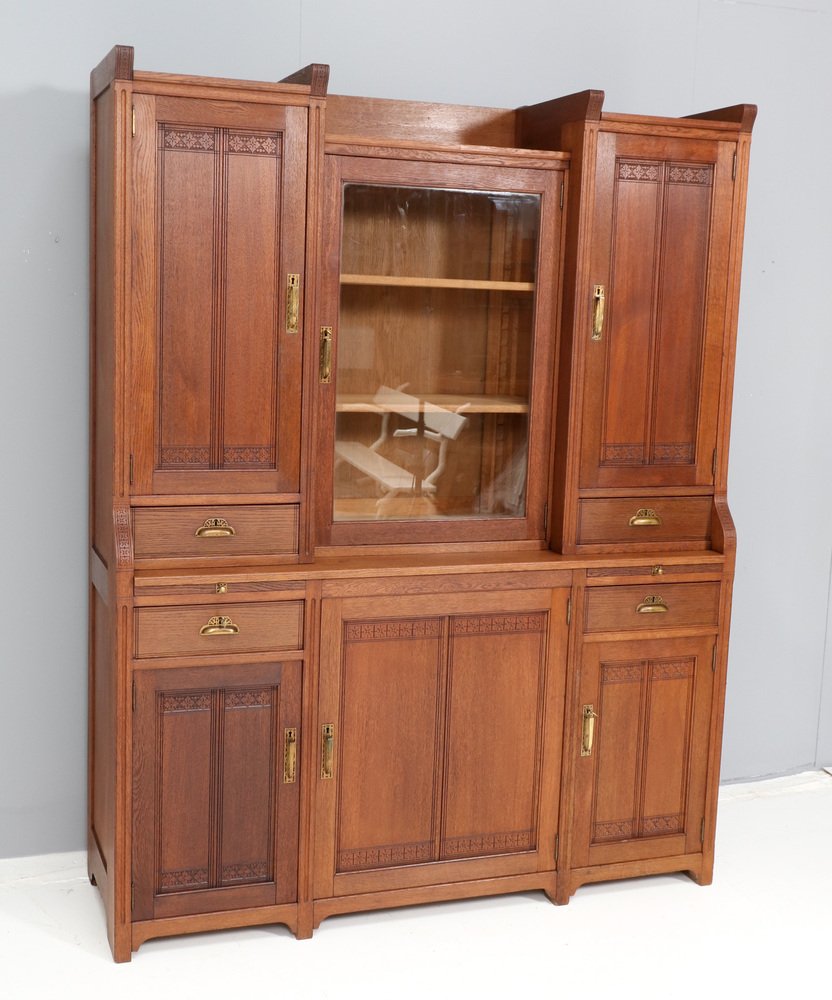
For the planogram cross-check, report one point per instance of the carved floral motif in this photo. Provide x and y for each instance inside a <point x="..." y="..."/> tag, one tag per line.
<point x="628" y="171"/>
<point x="688" y="174"/>
<point x="408" y="628"/>
<point x="256" y="871"/>
<point x="619" y="830"/>
<point x="492" y="843"/>
<point x="186" y="702"/>
<point x="184" y="878"/>
<point x="249" y="142"/>
<point x="655" y="826"/>
<point x="185" y="456"/>
<point x="483" y="624"/>
<point x="249" y="699"/>
<point x="383" y="857"/>
<point x="672" y="670"/>
<point x="201" y="140"/>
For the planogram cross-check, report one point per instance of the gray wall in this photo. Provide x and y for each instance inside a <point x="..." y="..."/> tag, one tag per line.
<point x="668" y="57"/>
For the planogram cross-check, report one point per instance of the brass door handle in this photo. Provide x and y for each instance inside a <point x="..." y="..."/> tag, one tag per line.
<point x="325" y="356"/>
<point x="645" y="517"/>
<point x="290" y="755"/>
<point x="219" y="625"/>
<point x="327" y="749"/>
<point x="598" y="300"/>
<point x="588" y="730"/>
<point x="652" y="605"/>
<point x="292" y="302"/>
<point x="215" y="527"/>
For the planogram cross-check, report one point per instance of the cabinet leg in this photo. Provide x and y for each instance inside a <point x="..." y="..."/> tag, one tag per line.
<point x="305" y="924"/>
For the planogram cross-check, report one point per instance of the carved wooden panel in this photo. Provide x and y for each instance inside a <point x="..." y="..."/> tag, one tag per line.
<point x="390" y="738"/>
<point x="216" y="826"/>
<point x="652" y="377"/>
<point x="644" y="778"/>
<point x="219" y="228"/>
<point x="494" y="727"/>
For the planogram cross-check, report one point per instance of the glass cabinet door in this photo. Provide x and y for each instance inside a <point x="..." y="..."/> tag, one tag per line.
<point x="437" y="305"/>
<point x="435" y="333"/>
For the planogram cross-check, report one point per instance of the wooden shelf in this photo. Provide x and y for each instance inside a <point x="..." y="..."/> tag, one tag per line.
<point x="361" y="403"/>
<point x="405" y="281"/>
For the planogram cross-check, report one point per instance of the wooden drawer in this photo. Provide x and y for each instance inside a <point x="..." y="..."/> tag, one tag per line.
<point x="644" y="519"/>
<point x="206" y="630"/>
<point x="171" y="532"/>
<point x="617" y="609"/>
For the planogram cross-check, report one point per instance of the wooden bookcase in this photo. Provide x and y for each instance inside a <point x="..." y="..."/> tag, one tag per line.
<point x="411" y="559"/>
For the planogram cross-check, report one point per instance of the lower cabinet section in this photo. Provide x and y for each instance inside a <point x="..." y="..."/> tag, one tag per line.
<point x="439" y="721"/>
<point x="215" y="788"/>
<point x="640" y="778"/>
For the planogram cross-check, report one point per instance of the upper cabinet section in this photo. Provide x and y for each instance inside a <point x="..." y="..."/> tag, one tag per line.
<point x="661" y="229"/>
<point x="436" y="353"/>
<point x="219" y="202"/>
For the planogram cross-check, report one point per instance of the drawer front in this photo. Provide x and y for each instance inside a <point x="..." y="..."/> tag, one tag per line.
<point x="206" y="630"/>
<point x="617" y="609"/>
<point x="644" y="519"/>
<point x="214" y="532"/>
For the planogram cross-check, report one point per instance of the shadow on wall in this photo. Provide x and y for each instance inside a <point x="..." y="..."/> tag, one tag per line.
<point x="44" y="239"/>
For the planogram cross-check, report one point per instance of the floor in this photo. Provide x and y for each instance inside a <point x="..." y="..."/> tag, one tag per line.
<point x="763" y="929"/>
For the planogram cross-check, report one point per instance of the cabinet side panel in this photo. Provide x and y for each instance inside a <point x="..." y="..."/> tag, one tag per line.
<point x="102" y="730"/>
<point x="102" y="442"/>
<point x="389" y="739"/>
<point x="493" y="751"/>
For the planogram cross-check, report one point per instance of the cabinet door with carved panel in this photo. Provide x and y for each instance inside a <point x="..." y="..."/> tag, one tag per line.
<point x="661" y="234"/>
<point x="644" y="713"/>
<point x="440" y="752"/>
<point x="215" y="788"/>
<point x="219" y="200"/>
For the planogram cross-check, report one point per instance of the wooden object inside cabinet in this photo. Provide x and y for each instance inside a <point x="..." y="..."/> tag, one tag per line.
<point x="411" y="558"/>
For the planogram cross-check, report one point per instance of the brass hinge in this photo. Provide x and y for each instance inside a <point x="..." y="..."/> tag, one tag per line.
<point x="134" y="696"/>
<point x="702" y="831"/>
<point x="545" y="516"/>
<point x="713" y="464"/>
<point x="569" y="611"/>
<point x="325" y="356"/>
<point x="132" y="896"/>
<point x="133" y="123"/>
<point x="734" y="168"/>
<point x="131" y="468"/>
<point x="561" y="193"/>
<point x="713" y="661"/>
<point x="557" y="846"/>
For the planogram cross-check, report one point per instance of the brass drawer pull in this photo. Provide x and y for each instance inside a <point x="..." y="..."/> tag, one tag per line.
<point x="598" y="299"/>
<point x="645" y="517"/>
<point x="652" y="605"/>
<point x="588" y="731"/>
<point x="290" y="755"/>
<point x="215" y="527"/>
<point x="219" y="625"/>
<point x="327" y="749"/>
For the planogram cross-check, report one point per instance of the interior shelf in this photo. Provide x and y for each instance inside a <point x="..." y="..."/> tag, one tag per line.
<point x="406" y="281"/>
<point x="366" y="403"/>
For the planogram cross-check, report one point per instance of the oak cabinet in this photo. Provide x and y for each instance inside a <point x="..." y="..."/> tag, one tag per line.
<point x="410" y="550"/>
<point x="439" y="719"/>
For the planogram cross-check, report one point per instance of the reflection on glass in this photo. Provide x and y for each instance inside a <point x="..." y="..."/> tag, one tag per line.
<point x="434" y="353"/>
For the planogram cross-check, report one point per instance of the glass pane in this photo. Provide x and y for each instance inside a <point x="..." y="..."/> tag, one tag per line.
<point x="434" y="353"/>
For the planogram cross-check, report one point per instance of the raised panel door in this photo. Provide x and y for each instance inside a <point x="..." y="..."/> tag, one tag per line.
<point x="219" y="202"/>
<point x="441" y="768"/>
<point x="653" y="358"/>
<point x="641" y="760"/>
<point x="215" y="788"/>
